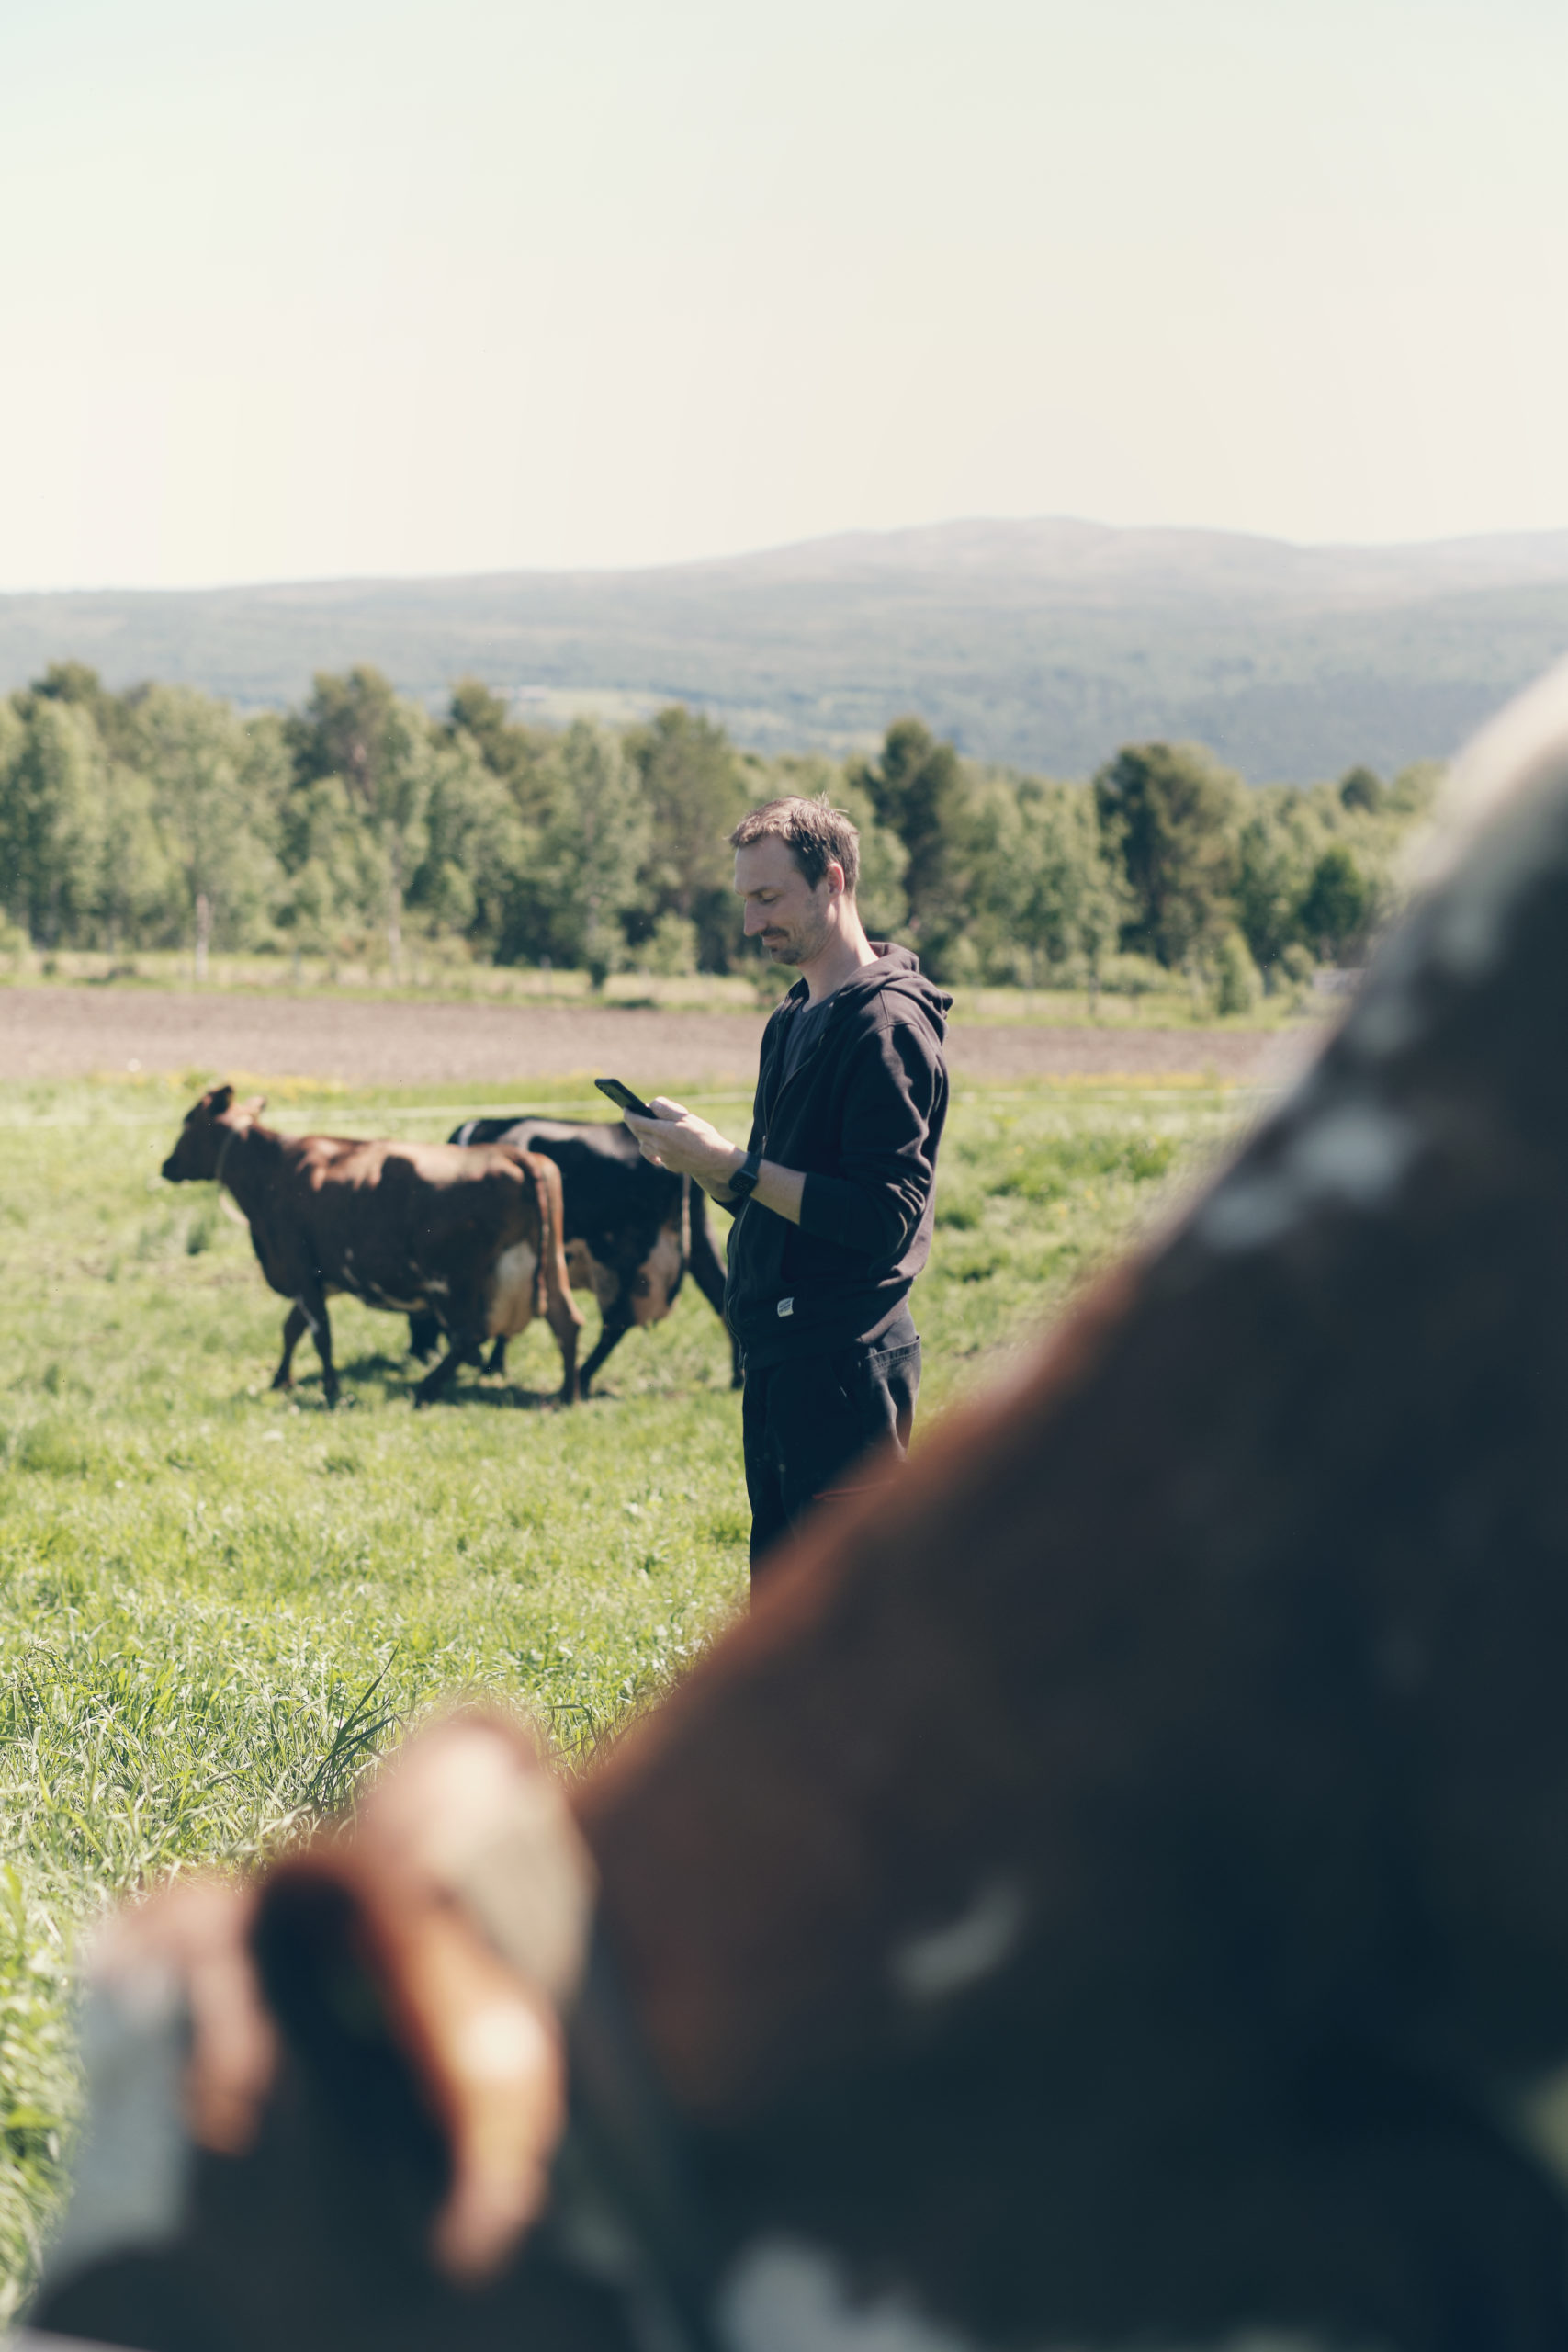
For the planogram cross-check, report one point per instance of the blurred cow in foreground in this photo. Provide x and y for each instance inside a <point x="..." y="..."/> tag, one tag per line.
<point x="473" y="1239"/>
<point x="1113" y="1892"/>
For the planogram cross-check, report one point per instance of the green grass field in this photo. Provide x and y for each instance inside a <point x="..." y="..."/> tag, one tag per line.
<point x="216" y="1604"/>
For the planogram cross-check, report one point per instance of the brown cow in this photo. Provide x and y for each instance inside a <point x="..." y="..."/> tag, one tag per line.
<point x="632" y="1229"/>
<point x="1111" y="1893"/>
<point x="471" y="1237"/>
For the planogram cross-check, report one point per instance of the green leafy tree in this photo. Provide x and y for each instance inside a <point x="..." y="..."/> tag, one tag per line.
<point x="335" y="887"/>
<point x="1237" y="982"/>
<point x="13" y="740"/>
<point x="1046" y="902"/>
<point x="79" y="685"/>
<point x="140" y="886"/>
<point x="1362" y="788"/>
<point x="880" y="893"/>
<point x="474" y="710"/>
<point x="79" y="842"/>
<point x="695" y="793"/>
<point x="478" y="846"/>
<point x="490" y="826"/>
<point x="13" y="727"/>
<point x="592" y="851"/>
<point x="1171" y="810"/>
<point x="160" y="814"/>
<point x="1278" y="845"/>
<point x="520" y="756"/>
<point x="51" y="807"/>
<point x="357" y="728"/>
<point x="215" y="786"/>
<point x="917" y="788"/>
<point x="1415" y="790"/>
<point x="1339" y="903"/>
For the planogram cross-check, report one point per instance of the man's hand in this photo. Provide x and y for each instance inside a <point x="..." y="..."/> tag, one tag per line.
<point x="677" y="1139"/>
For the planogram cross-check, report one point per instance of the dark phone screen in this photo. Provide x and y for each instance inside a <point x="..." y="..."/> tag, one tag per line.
<point x="623" y="1096"/>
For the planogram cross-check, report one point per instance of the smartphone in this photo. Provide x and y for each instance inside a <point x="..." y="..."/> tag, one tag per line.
<point x="623" y="1097"/>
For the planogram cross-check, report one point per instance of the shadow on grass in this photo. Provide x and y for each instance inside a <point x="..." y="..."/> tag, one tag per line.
<point x="401" y="1376"/>
<point x="390" y="1371"/>
<point x="509" y="1398"/>
<point x="396" y="1377"/>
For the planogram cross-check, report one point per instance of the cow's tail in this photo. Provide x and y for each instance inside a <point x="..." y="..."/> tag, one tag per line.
<point x="549" y="1223"/>
<point x="552" y="1281"/>
<point x="685" y="1258"/>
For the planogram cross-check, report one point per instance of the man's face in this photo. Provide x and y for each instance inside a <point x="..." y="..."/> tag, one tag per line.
<point x="793" y="920"/>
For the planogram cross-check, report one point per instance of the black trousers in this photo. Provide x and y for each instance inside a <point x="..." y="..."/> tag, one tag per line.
<point x="805" y="1425"/>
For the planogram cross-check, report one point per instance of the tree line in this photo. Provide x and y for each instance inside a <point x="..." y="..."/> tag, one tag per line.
<point x="362" y="823"/>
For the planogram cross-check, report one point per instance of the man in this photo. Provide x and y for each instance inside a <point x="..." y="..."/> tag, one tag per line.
<point x="832" y="1194"/>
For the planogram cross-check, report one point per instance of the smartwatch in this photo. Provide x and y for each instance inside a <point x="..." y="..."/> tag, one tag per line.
<point x="743" y="1183"/>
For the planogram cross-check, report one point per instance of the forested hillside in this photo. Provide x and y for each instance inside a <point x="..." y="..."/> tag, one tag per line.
<point x="360" y="824"/>
<point x="1044" y="644"/>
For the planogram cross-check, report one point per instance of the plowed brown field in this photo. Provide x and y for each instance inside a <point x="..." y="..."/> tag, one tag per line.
<point x="79" y="1032"/>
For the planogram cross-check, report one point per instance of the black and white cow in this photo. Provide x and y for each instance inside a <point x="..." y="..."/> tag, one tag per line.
<point x="632" y="1230"/>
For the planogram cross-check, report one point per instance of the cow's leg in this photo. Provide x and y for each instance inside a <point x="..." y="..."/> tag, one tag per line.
<point x="497" y="1361"/>
<point x="565" y="1318"/>
<point x="616" y="1322"/>
<point x="708" y="1275"/>
<point x="294" y="1328"/>
<point x="424" y="1335"/>
<point x="466" y="1336"/>
<point x="313" y="1306"/>
<point x="431" y="1386"/>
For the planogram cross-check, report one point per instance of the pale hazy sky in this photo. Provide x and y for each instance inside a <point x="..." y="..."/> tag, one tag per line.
<point x="299" y="288"/>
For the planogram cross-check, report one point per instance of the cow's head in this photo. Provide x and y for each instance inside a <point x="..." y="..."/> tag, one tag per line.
<point x="208" y="1124"/>
<point x="396" y="1986"/>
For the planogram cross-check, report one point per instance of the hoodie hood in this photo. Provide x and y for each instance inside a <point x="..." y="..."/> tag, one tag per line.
<point x="896" y="970"/>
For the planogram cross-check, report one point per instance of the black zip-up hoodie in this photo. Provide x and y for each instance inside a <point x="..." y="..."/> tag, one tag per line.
<point x="862" y="1117"/>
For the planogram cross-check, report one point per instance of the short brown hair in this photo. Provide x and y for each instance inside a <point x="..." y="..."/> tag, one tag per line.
<point x="818" y="836"/>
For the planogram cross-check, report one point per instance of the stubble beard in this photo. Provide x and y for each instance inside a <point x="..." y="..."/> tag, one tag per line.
<point x="800" y="945"/>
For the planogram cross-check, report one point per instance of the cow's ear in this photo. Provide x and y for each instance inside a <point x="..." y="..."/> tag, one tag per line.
<point x="253" y="1105"/>
<point x="218" y="1099"/>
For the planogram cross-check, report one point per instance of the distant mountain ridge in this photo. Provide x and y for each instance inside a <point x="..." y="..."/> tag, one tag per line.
<point x="1079" y="556"/>
<point x="1043" y="644"/>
